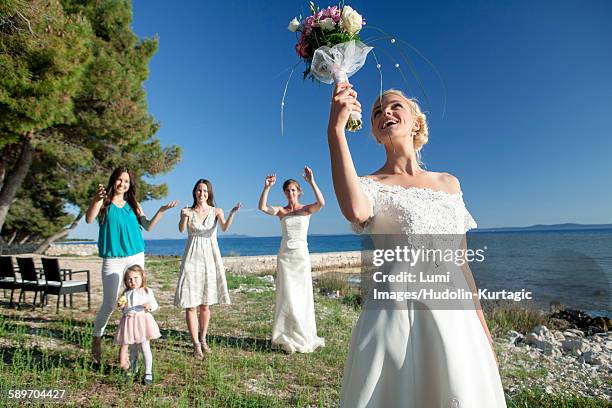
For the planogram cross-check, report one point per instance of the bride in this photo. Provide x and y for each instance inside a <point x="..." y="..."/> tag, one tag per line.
<point x="410" y="357"/>
<point x="294" y="327"/>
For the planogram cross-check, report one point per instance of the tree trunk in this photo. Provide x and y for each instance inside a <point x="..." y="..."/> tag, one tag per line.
<point x="25" y="239"/>
<point x="2" y="173"/>
<point x="58" y="235"/>
<point x="14" y="179"/>
<point x="4" y="160"/>
<point x="10" y="241"/>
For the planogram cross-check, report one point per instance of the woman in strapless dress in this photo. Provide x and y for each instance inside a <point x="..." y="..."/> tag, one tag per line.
<point x="294" y="328"/>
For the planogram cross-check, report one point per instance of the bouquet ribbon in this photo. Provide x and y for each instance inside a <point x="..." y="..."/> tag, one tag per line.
<point x="336" y="64"/>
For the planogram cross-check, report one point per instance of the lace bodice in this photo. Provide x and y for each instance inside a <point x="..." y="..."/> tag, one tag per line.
<point x="202" y="226"/>
<point x="413" y="210"/>
<point x="295" y="230"/>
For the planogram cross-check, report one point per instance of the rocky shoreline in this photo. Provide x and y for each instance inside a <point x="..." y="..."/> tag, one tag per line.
<point x="72" y="249"/>
<point x="241" y="265"/>
<point x="567" y="362"/>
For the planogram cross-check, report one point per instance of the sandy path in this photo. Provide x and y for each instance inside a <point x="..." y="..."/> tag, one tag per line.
<point x="345" y="262"/>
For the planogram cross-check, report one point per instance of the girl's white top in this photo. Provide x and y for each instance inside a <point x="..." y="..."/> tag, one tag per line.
<point x="136" y="298"/>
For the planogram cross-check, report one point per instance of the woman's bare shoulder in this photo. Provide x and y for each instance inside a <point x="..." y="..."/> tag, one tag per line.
<point x="447" y="182"/>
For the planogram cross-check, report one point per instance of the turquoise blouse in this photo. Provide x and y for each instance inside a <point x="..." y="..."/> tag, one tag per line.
<point x="120" y="235"/>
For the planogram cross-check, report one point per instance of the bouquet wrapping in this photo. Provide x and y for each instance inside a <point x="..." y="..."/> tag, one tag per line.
<point x="336" y="64"/>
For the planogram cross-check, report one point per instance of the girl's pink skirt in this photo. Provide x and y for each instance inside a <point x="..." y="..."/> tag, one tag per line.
<point x="137" y="327"/>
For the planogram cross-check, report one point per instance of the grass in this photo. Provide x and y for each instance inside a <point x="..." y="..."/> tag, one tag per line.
<point x="501" y="316"/>
<point x="505" y="316"/>
<point x="334" y="282"/>
<point x="537" y="398"/>
<point x="41" y="350"/>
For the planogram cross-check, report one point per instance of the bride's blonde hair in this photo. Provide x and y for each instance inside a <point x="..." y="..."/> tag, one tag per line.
<point x="422" y="135"/>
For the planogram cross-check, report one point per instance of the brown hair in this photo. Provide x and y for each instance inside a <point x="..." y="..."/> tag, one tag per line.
<point x="289" y="182"/>
<point x="143" y="275"/>
<point x="129" y="196"/>
<point x="211" y="197"/>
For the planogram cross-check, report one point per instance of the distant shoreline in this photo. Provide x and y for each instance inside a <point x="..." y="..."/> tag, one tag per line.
<point x="533" y="228"/>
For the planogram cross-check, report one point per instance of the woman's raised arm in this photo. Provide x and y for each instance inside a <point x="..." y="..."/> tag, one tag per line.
<point x="309" y="177"/>
<point x="263" y="199"/>
<point x="221" y="217"/>
<point x="150" y="224"/>
<point x="353" y="202"/>
<point x="96" y="205"/>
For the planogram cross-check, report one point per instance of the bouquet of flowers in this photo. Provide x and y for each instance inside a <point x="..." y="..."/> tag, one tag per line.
<point x="329" y="44"/>
<point x="121" y="302"/>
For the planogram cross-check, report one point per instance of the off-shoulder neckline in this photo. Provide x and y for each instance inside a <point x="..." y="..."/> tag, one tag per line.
<point x="415" y="188"/>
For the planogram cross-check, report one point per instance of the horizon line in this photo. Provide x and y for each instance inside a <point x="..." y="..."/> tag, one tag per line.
<point x="485" y="229"/>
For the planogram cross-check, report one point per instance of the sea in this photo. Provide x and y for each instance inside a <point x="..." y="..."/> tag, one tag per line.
<point x="572" y="267"/>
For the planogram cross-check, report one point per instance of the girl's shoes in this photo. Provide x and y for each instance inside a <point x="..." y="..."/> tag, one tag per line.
<point x="197" y="351"/>
<point x="148" y="379"/>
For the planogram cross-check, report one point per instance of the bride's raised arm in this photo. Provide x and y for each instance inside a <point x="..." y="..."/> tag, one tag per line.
<point x="309" y="177"/>
<point x="263" y="199"/>
<point x="353" y="202"/>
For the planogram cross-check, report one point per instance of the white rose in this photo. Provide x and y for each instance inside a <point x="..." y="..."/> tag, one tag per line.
<point x="351" y="20"/>
<point x="327" y="24"/>
<point x="294" y="25"/>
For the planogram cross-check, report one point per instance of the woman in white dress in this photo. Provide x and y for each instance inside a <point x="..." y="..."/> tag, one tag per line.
<point x="202" y="276"/>
<point x="409" y="357"/>
<point x="294" y="327"/>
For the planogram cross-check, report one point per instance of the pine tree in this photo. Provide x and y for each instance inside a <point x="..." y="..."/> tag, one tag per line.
<point x="108" y="124"/>
<point x="43" y="55"/>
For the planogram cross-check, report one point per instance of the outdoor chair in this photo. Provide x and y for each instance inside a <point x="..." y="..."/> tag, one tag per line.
<point x="57" y="284"/>
<point x="8" y="278"/>
<point x="30" y="279"/>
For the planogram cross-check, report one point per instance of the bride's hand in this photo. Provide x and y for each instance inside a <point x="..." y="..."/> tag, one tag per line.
<point x="344" y="102"/>
<point x="270" y="180"/>
<point x="308" y="175"/>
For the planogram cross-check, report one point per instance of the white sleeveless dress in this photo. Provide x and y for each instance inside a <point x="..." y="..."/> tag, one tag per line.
<point x="202" y="275"/>
<point x="414" y="357"/>
<point x="294" y="328"/>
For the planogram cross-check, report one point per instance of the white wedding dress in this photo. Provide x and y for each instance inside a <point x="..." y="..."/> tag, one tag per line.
<point x="413" y="357"/>
<point x="294" y="327"/>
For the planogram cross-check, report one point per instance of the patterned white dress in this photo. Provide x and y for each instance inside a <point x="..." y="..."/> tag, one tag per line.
<point x="413" y="357"/>
<point x="202" y="275"/>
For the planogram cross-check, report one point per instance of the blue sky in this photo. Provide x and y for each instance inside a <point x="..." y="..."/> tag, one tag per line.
<point x="527" y="124"/>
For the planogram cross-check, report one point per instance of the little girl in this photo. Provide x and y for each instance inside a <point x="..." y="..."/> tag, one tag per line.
<point x="137" y="325"/>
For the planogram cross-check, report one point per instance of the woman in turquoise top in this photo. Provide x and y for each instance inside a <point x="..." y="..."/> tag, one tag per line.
<point x="120" y="242"/>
